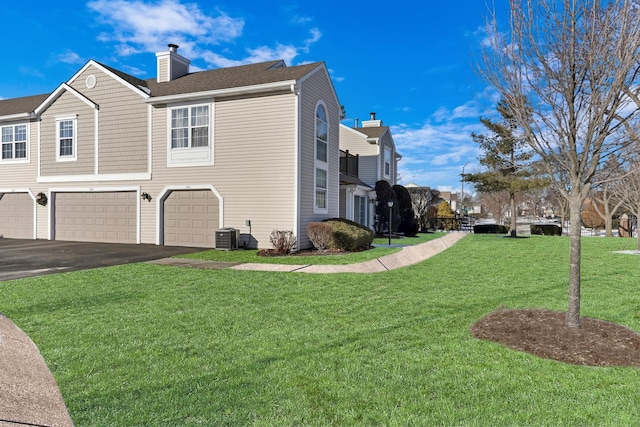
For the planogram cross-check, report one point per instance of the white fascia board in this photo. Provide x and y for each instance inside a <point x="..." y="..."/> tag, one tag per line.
<point x="140" y="176"/>
<point x="17" y="117"/>
<point x="56" y="94"/>
<point x="322" y="68"/>
<point x="140" y="91"/>
<point x="242" y="90"/>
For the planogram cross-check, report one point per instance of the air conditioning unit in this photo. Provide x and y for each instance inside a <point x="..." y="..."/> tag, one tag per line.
<point x="227" y="238"/>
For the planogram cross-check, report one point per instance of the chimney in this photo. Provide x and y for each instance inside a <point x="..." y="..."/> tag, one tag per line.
<point x="372" y="123"/>
<point x="356" y="122"/>
<point x="171" y="65"/>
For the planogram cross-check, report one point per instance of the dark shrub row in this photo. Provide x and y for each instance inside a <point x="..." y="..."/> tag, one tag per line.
<point x="546" y="229"/>
<point x="490" y="229"/>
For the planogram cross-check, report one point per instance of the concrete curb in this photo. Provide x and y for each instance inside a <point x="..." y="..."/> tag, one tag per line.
<point x="30" y="394"/>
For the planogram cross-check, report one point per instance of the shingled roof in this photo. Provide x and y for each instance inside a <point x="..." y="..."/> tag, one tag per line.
<point x="25" y="105"/>
<point x="226" y="78"/>
<point x="202" y="81"/>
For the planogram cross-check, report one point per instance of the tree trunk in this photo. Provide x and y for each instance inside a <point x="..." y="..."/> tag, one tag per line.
<point x="514" y="215"/>
<point x="608" y="224"/>
<point x="575" y="248"/>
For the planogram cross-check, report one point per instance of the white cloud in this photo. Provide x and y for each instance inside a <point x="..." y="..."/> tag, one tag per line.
<point x="149" y="26"/>
<point x="68" y="57"/>
<point x="146" y="26"/>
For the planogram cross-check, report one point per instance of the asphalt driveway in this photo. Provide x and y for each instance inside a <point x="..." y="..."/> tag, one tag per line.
<point x="25" y="258"/>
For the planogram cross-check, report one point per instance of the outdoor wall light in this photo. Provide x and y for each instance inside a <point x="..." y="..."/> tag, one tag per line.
<point x="146" y="196"/>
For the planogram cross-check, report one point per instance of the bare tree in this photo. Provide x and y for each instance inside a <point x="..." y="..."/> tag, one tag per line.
<point x="603" y="199"/>
<point x="628" y="189"/>
<point x="496" y="203"/>
<point x="566" y="69"/>
<point x="422" y="198"/>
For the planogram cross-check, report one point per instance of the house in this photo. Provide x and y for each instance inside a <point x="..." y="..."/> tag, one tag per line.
<point x="108" y="157"/>
<point x="368" y="155"/>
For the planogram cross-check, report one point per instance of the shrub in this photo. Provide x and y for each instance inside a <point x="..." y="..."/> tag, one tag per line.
<point x="546" y="229"/>
<point x="490" y="229"/>
<point x="408" y="223"/>
<point x="349" y="235"/>
<point x="384" y="193"/>
<point x="283" y="241"/>
<point x="321" y="235"/>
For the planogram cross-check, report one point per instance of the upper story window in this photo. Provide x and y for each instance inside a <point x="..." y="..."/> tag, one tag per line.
<point x="14" y="142"/>
<point x="190" y="136"/>
<point x="66" y="138"/>
<point x="190" y="127"/>
<point x="321" y="134"/>
<point x="321" y="160"/>
<point x="387" y="163"/>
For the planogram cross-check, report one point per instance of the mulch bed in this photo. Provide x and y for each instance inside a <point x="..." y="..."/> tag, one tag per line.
<point x="544" y="333"/>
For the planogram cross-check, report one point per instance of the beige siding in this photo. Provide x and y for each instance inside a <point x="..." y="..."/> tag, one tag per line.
<point x="315" y="88"/>
<point x="122" y="123"/>
<point x="16" y="215"/>
<point x="68" y="104"/>
<point x="370" y="166"/>
<point x="163" y="70"/>
<point x="254" y="165"/>
<point x="387" y="142"/>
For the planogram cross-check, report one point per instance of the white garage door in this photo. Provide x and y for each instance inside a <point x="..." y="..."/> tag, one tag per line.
<point x="96" y="217"/>
<point x="191" y="218"/>
<point x="16" y="216"/>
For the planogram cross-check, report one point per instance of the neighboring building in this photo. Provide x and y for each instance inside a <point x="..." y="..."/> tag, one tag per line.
<point x="376" y="159"/>
<point x="170" y="160"/>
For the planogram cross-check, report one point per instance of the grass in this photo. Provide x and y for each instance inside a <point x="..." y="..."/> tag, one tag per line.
<point x="148" y="345"/>
<point x="251" y="256"/>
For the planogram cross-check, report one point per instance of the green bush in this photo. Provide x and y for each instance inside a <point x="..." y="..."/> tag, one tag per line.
<point x="350" y="236"/>
<point x="546" y="229"/>
<point x="490" y="229"/>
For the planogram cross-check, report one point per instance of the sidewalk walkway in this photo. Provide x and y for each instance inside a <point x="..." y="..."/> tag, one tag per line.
<point x="409" y="255"/>
<point x="29" y="395"/>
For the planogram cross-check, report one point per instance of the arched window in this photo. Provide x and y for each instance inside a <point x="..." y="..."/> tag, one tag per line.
<point x="321" y="160"/>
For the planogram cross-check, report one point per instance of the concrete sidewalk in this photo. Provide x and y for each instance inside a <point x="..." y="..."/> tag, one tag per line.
<point x="409" y="255"/>
<point x="29" y="395"/>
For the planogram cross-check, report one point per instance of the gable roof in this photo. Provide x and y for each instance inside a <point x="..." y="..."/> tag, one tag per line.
<point x="25" y="105"/>
<point x="231" y="77"/>
<point x="263" y="73"/>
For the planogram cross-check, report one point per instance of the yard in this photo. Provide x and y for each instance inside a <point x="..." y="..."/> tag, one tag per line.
<point x="153" y="345"/>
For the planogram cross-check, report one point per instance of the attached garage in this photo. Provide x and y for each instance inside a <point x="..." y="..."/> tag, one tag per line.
<point x="109" y="217"/>
<point x="191" y="218"/>
<point x="16" y="216"/>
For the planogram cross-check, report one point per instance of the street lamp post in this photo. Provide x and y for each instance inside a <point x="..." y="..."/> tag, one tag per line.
<point x="390" y="204"/>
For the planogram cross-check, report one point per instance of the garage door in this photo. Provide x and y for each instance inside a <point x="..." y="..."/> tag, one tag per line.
<point x="96" y="217"/>
<point x="191" y="218"/>
<point x="16" y="216"/>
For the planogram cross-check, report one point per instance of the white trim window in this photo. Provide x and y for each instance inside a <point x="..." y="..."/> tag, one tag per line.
<point x="190" y="135"/>
<point x="66" y="138"/>
<point x="14" y="143"/>
<point x="387" y="162"/>
<point x="321" y="160"/>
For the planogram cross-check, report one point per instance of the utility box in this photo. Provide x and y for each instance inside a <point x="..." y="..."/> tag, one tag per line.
<point x="227" y="238"/>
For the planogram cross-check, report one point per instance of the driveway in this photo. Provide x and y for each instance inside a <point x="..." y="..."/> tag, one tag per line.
<point x="25" y="258"/>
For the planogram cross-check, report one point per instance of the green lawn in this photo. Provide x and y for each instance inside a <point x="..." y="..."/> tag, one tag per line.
<point x="150" y="345"/>
<point x="251" y="256"/>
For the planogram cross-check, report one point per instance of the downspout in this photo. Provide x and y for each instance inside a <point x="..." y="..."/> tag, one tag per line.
<point x="295" y="90"/>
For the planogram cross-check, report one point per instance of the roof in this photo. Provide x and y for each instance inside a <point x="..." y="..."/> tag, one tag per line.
<point x="27" y="104"/>
<point x="373" y="131"/>
<point x="225" y="78"/>
<point x="201" y="81"/>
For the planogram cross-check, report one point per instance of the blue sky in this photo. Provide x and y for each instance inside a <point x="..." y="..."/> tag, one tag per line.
<point x="411" y="62"/>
